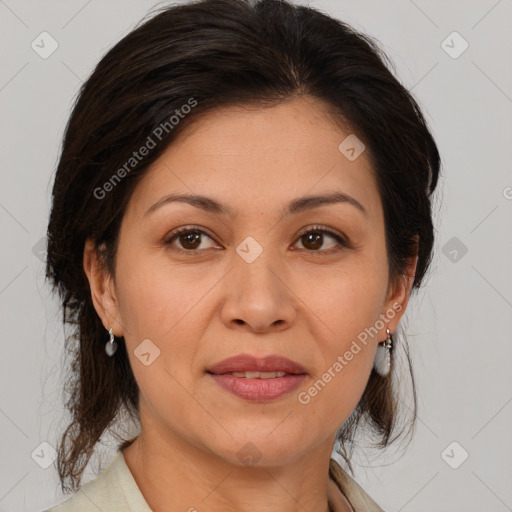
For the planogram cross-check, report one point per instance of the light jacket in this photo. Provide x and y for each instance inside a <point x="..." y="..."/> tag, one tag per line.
<point x="115" y="490"/>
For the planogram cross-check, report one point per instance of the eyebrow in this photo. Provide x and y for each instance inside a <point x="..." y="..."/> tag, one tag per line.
<point x="295" y="206"/>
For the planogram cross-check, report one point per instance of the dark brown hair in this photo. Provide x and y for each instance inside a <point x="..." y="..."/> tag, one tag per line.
<point x="218" y="53"/>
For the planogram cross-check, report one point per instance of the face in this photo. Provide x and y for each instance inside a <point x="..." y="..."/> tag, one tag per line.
<point x="256" y="279"/>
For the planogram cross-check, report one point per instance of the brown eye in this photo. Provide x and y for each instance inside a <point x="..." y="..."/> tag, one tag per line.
<point x="313" y="240"/>
<point x="189" y="239"/>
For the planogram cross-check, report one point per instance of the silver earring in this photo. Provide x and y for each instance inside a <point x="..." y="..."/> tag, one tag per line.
<point x="382" y="361"/>
<point x="111" y="345"/>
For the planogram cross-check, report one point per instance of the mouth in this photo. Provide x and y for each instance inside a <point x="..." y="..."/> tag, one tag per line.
<point x="257" y="375"/>
<point x="256" y="379"/>
<point x="252" y="367"/>
<point x="256" y="388"/>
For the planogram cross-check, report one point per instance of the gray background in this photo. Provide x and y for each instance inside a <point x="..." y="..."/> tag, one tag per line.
<point x="458" y="327"/>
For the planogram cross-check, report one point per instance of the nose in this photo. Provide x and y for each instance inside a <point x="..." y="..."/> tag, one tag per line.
<point x="259" y="295"/>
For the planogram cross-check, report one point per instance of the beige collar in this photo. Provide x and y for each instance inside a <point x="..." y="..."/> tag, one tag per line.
<point x="344" y="491"/>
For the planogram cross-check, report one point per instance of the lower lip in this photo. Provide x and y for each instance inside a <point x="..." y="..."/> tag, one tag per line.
<point x="259" y="390"/>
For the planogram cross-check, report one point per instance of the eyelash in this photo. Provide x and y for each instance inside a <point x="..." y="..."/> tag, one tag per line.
<point x="316" y="229"/>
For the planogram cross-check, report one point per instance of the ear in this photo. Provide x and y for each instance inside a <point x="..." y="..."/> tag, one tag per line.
<point x="102" y="288"/>
<point x="398" y="296"/>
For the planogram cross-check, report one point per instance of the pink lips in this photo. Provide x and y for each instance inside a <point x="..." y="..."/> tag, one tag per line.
<point x="257" y="389"/>
<point x="248" y="363"/>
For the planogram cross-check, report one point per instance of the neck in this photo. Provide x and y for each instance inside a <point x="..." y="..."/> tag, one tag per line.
<point x="173" y="475"/>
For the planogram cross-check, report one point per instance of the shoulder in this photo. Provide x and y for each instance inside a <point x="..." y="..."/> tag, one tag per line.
<point x="360" y="501"/>
<point x="114" y="490"/>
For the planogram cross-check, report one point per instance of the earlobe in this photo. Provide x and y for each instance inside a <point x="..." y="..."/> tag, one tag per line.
<point x="102" y="288"/>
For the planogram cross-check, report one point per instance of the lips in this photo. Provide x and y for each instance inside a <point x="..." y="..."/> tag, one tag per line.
<point x="248" y="363"/>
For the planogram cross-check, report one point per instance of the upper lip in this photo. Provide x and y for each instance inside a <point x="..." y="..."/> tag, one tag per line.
<point x="248" y="363"/>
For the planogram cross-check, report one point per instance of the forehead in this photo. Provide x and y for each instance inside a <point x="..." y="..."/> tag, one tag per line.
<point x="243" y="156"/>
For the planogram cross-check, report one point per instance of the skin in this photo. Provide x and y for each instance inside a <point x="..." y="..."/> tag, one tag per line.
<point x="291" y="301"/>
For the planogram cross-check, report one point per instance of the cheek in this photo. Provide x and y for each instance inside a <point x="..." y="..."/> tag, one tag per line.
<point x="349" y="301"/>
<point x="347" y="308"/>
<point x="154" y="298"/>
<point x="166" y="306"/>
<point x="155" y="310"/>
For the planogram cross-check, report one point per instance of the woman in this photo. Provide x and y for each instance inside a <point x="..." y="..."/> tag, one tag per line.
<point x="240" y="213"/>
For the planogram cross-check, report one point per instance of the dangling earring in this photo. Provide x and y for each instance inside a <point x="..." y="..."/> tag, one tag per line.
<point x="382" y="361"/>
<point x="111" y="345"/>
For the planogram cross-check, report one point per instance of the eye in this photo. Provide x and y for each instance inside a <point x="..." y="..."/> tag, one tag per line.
<point x="188" y="237"/>
<point x="313" y="239"/>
